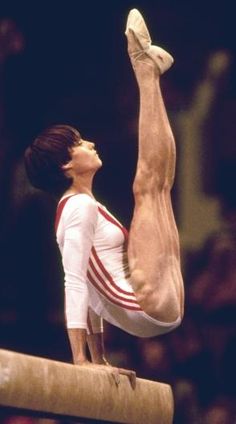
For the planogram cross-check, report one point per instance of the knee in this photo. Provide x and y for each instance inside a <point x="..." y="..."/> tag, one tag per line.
<point x="140" y="182"/>
<point x="147" y="182"/>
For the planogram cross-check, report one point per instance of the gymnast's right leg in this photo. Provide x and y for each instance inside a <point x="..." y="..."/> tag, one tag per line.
<point x="153" y="251"/>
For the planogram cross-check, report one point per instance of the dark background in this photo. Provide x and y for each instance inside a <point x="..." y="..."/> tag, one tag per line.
<point x="72" y="67"/>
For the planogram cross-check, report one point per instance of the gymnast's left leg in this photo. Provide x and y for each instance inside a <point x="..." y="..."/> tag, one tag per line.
<point x="153" y="249"/>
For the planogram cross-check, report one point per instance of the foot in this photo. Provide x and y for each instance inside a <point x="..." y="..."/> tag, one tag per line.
<point x="136" y="23"/>
<point x="139" y="43"/>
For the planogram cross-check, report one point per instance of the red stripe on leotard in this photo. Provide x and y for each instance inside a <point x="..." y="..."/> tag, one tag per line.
<point x="103" y="281"/>
<point x="115" y="222"/>
<point x="93" y="282"/>
<point x="108" y="276"/>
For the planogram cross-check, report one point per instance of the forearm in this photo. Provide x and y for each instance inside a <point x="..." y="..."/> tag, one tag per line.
<point x="96" y="348"/>
<point x="78" y="342"/>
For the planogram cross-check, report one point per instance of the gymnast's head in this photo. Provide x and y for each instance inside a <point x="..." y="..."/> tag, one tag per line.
<point x="57" y="157"/>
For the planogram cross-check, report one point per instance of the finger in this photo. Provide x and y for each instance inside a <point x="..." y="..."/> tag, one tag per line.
<point x="116" y="375"/>
<point x="132" y="379"/>
<point x="131" y="375"/>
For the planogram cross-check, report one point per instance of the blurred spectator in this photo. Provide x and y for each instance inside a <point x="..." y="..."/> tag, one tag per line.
<point x="214" y="289"/>
<point x="222" y="411"/>
<point x="204" y="347"/>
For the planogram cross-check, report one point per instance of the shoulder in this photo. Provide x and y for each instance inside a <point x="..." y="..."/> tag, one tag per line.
<point x="81" y="200"/>
<point x="80" y="205"/>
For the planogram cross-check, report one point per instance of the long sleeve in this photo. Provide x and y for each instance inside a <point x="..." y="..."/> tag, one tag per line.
<point x="79" y="221"/>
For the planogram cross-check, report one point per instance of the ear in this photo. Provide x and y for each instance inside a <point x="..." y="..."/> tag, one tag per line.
<point x="67" y="166"/>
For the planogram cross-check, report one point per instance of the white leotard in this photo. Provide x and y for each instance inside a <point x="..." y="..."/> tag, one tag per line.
<point x="94" y="255"/>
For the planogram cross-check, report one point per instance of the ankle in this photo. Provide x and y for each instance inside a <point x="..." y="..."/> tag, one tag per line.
<point x="146" y="72"/>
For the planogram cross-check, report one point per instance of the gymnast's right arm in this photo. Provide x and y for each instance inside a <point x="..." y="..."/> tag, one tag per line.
<point x="79" y="221"/>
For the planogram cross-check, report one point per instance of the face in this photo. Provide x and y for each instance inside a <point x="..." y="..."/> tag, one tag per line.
<point x="84" y="158"/>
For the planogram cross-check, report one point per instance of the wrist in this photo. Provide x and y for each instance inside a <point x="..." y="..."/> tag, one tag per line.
<point x="78" y="343"/>
<point x="81" y="361"/>
<point x="100" y="360"/>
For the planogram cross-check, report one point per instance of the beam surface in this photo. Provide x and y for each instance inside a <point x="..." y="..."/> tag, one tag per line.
<point x="46" y="386"/>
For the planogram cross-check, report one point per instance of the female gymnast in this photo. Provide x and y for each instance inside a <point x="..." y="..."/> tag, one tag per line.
<point x="131" y="280"/>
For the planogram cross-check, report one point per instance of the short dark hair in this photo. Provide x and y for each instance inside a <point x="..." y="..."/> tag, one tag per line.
<point x="46" y="155"/>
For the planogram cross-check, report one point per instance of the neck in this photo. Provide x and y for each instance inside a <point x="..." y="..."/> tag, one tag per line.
<point x="81" y="184"/>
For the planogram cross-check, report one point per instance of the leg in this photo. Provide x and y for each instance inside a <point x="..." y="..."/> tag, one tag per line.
<point x="153" y="250"/>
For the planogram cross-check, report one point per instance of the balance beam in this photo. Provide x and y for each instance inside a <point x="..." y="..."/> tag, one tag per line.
<point x="51" y="387"/>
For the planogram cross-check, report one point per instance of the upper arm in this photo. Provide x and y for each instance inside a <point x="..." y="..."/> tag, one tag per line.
<point x="79" y="225"/>
<point x="80" y="218"/>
